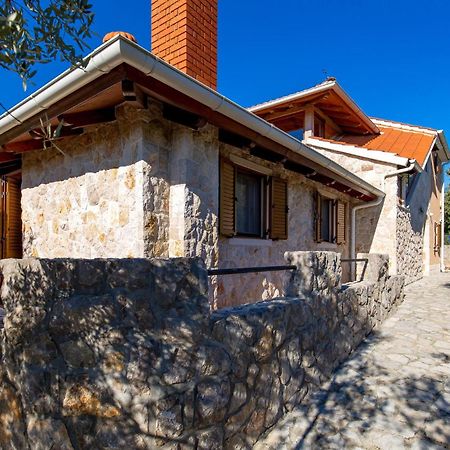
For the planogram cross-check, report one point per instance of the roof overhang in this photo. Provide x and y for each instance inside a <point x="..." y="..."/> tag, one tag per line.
<point x="330" y="98"/>
<point x="119" y="69"/>
<point x="360" y="152"/>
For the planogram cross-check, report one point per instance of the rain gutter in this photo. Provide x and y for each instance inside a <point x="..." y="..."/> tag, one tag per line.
<point x="120" y="50"/>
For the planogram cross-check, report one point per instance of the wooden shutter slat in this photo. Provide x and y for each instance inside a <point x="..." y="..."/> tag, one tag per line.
<point x="13" y="245"/>
<point x="279" y="209"/>
<point x="340" y="223"/>
<point x="227" y="198"/>
<point x="318" y="217"/>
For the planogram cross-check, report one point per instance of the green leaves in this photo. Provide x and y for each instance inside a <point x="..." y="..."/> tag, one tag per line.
<point x="35" y="31"/>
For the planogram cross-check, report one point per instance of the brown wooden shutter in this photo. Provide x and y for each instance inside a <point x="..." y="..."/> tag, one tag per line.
<point x="13" y="243"/>
<point x="437" y="236"/>
<point x="340" y="223"/>
<point x="227" y="211"/>
<point x="279" y="209"/>
<point x="318" y="217"/>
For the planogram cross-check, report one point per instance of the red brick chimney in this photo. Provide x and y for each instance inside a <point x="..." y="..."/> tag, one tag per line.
<point x="184" y="33"/>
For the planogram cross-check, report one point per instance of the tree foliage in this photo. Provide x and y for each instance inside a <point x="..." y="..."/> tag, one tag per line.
<point x="35" y="31"/>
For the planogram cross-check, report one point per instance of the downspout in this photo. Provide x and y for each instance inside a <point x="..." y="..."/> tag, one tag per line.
<point x="371" y="205"/>
<point x="443" y="223"/>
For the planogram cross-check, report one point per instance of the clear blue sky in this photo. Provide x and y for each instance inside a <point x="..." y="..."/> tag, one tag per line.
<point x="391" y="56"/>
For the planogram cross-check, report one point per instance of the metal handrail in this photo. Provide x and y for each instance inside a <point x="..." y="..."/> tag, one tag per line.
<point x="235" y="271"/>
<point x="354" y="260"/>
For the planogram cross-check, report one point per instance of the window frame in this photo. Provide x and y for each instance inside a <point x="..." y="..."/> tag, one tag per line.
<point x="274" y="217"/>
<point x="263" y="203"/>
<point x="333" y="218"/>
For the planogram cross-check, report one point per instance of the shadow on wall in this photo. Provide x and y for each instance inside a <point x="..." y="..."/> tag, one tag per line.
<point x="126" y="354"/>
<point x="366" y="226"/>
<point x="353" y="407"/>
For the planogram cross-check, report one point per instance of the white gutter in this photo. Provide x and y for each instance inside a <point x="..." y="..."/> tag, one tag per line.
<point x="353" y="150"/>
<point x="370" y="205"/>
<point x="120" y="50"/>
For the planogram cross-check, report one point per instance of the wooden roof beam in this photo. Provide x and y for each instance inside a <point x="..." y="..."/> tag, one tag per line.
<point x="70" y="101"/>
<point x="292" y="108"/>
<point x="86" y="118"/>
<point x="133" y="94"/>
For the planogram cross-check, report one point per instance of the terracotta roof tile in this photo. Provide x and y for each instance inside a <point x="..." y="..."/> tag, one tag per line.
<point x="412" y="144"/>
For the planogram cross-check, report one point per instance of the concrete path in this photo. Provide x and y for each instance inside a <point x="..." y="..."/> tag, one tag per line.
<point x="394" y="392"/>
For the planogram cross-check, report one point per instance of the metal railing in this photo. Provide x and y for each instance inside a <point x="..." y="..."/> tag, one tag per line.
<point x="240" y="270"/>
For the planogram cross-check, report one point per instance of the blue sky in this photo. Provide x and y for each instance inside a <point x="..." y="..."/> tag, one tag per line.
<point x="391" y="56"/>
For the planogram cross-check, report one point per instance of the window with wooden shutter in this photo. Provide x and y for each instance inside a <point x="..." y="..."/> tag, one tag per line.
<point x="318" y="217"/>
<point x="227" y="198"/>
<point x="437" y="236"/>
<point x="11" y="229"/>
<point x="279" y="209"/>
<point x="340" y="222"/>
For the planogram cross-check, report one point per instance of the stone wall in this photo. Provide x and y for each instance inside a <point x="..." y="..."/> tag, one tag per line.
<point x="410" y="251"/>
<point x="86" y="199"/>
<point x="374" y="226"/>
<point x="126" y="354"/>
<point x="143" y="186"/>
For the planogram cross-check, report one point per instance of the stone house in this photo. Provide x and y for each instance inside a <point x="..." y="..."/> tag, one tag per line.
<point x="137" y="155"/>
<point x="404" y="161"/>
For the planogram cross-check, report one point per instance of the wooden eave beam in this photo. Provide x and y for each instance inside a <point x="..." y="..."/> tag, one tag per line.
<point x="37" y="143"/>
<point x="9" y="157"/>
<point x="133" y="94"/>
<point x="23" y="146"/>
<point x="86" y="118"/>
<point x="65" y="104"/>
<point x="167" y="94"/>
<point x="289" y="110"/>
<point x="37" y="133"/>
<point x="183" y="117"/>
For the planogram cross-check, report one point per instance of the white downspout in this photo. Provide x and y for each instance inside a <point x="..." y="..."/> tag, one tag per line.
<point x="443" y="223"/>
<point x="370" y="205"/>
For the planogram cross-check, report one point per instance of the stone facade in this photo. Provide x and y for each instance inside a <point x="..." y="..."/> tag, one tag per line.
<point x="143" y="186"/>
<point x="126" y="353"/>
<point x="406" y="233"/>
<point x="237" y="252"/>
<point x="410" y="247"/>
<point x="86" y="200"/>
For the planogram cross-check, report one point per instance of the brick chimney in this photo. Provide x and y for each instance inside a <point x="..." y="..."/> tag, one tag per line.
<point x="184" y="33"/>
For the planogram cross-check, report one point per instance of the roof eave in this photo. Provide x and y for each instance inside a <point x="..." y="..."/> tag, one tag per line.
<point x="120" y="50"/>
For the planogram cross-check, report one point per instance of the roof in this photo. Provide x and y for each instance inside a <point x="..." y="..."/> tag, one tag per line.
<point x="329" y="97"/>
<point x="354" y="128"/>
<point x="119" y="70"/>
<point x="408" y="143"/>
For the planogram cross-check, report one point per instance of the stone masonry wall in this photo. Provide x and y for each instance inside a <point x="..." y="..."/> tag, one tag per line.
<point x="126" y="354"/>
<point x="409" y="247"/>
<point x="88" y="200"/>
<point x="143" y="186"/>
<point x="374" y="226"/>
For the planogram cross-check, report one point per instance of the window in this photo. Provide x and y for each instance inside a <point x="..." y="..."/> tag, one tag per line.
<point x="249" y="196"/>
<point x="437" y="237"/>
<point x="251" y="204"/>
<point x="405" y="183"/>
<point x="330" y="218"/>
